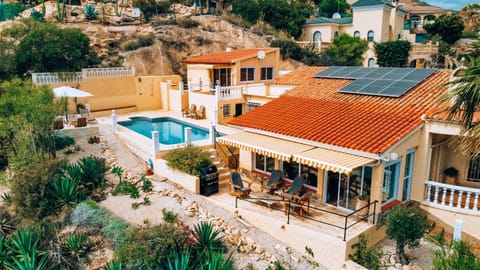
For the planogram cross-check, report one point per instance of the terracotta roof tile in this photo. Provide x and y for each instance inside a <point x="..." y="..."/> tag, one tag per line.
<point x="316" y="111"/>
<point x="226" y="57"/>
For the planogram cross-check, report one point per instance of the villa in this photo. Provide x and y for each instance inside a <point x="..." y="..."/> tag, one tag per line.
<point x="350" y="131"/>
<point x="377" y="21"/>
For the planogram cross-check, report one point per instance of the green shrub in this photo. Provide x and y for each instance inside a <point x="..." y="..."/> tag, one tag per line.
<point x="207" y="238"/>
<point x="7" y="198"/>
<point x="288" y="49"/>
<point x="454" y="255"/>
<point x="126" y="187"/>
<point x="180" y="260"/>
<point x="147" y="185"/>
<point x="169" y="216"/>
<point x="115" y="231"/>
<point x="136" y="205"/>
<point x="151" y="8"/>
<point x="30" y="187"/>
<point x="213" y="260"/>
<point x="118" y="171"/>
<point x="149" y="247"/>
<point x="113" y="265"/>
<point x="93" y="139"/>
<point x="406" y="225"/>
<point x="90" y="12"/>
<point x="10" y="10"/>
<point x="85" y="215"/>
<point x="25" y="253"/>
<point x="61" y="142"/>
<point x="188" y="159"/>
<point x="139" y="42"/>
<point x="369" y="259"/>
<point x="187" y="23"/>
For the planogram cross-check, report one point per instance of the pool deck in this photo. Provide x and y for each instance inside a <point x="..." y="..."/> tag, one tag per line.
<point x="143" y="146"/>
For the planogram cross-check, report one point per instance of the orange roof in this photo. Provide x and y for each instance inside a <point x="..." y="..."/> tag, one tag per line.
<point x="226" y="57"/>
<point x="316" y="111"/>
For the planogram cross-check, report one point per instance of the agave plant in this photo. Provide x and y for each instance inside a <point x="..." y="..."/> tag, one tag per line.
<point x="113" y="265"/>
<point x="76" y="245"/>
<point x="207" y="238"/>
<point x="213" y="260"/>
<point x="180" y="261"/>
<point x="7" y="198"/>
<point x="90" y="12"/>
<point x="74" y="171"/>
<point x="65" y="189"/>
<point x="93" y="172"/>
<point x="23" y="245"/>
<point x="117" y="170"/>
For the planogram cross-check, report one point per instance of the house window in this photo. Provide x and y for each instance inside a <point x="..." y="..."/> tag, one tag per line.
<point x="247" y="74"/>
<point x="226" y="110"/>
<point x="391" y="175"/>
<point x="407" y="179"/>
<point x="356" y="34"/>
<point x="264" y="163"/>
<point x="221" y="76"/>
<point x="474" y="169"/>
<point x="371" y="62"/>
<point x="266" y="74"/>
<point x="370" y="35"/>
<point x="252" y="106"/>
<point x="293" y="169"/>
<point x="317" y="36"/>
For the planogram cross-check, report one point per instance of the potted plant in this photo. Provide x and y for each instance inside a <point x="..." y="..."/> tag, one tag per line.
<point x="362" y="202"/>
<point x="451" y="175"/>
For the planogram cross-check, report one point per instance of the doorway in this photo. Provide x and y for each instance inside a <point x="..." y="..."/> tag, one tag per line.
<point x="238" y="109"/>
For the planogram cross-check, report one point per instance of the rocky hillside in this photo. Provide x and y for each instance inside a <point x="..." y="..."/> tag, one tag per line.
<point x="173" y="42"/>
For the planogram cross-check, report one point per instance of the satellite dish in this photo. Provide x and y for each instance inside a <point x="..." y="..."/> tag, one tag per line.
<point x="260" y="54"/>
<point x="136" y="12"/>
<point x="336" y="15"/>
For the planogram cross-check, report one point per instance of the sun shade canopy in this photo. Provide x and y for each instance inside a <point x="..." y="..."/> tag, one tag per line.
<point x="331" y="160"/>
<point x="268" y="146"/>
<point x="305" y="154"/>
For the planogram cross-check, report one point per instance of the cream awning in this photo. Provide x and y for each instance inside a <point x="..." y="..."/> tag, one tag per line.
<point x="331" y="160"/>
<point x="265" y="145"/>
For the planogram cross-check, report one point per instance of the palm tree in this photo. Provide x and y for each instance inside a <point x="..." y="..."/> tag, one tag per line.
<point x="464" y="100"/>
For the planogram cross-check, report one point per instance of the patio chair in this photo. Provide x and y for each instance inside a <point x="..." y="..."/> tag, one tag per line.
<point x="294" y="189"/>
<point x="236" y="184"/>
<point x="274" y="182"/>
<point x="187" y="111"/>
<point x="192" y="111"/>
<point x="200" y="114"/>
<point x="298" y="203"/>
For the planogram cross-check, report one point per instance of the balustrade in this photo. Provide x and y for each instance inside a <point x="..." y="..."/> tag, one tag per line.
<point x="60" y="77"/>
<point x="451" y="197"/>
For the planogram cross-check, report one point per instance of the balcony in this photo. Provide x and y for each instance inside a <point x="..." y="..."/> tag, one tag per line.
<point x="315" y="45"/>
<point x="451" y="197"/>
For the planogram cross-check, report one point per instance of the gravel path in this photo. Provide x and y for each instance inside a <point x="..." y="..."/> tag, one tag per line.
<point x="174" y="198"/>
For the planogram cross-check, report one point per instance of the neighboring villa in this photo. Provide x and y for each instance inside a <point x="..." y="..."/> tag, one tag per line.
<point x="353" y="131"/>
<point x="233" y="82"/>
<point x="376" y="21"/>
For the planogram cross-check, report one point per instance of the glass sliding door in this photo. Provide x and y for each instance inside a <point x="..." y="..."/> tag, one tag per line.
<point x="343" y="190"/>
<point x="290" y="170"/>
<point x="221" y="76"/>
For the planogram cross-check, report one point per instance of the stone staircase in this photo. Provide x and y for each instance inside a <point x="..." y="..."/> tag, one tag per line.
<point x="223" y="170"/>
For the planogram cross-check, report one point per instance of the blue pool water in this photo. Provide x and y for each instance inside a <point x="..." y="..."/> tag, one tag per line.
<point x="171" y="131"/>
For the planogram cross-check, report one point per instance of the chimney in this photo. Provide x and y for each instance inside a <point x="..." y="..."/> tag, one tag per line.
<point x="229" y="49"/>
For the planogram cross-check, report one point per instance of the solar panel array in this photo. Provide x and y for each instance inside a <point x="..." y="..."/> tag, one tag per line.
<point x="384" y="81"/>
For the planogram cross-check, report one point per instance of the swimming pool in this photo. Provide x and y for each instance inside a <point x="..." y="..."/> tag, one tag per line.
<point x="171" y="131"/>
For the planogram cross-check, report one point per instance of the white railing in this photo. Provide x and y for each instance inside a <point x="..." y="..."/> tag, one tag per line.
<point x="107" y="72"/>
<point x="50" y="78"/>
<point x="230" y="92"/>
<point x="61" y="77"/>
<point x="451" y="197"/>
<point x="201" y="86"/>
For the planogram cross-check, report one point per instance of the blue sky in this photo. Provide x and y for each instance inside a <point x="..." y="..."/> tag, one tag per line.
<point x="450" y="4"/>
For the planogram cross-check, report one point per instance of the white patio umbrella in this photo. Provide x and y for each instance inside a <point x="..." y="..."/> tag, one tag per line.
<point x="67" y="91"/>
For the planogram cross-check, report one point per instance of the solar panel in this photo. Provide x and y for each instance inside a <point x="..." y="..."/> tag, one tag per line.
<point x="388" y="81"/>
